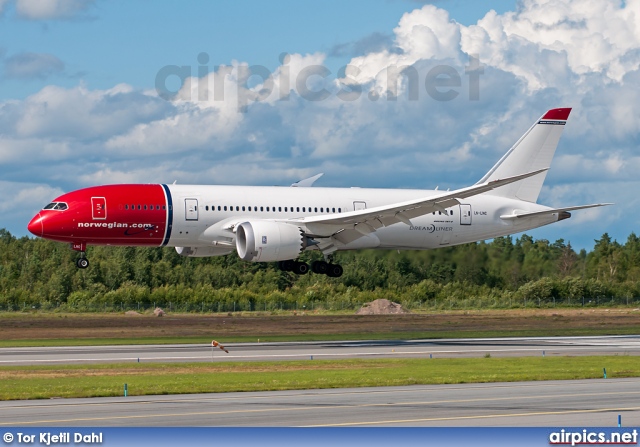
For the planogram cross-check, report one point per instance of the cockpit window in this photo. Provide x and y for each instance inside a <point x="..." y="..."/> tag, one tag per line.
<point x="60" y="206"/>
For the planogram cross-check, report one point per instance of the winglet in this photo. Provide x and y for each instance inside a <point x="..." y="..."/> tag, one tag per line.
<point x="515" y="178"/>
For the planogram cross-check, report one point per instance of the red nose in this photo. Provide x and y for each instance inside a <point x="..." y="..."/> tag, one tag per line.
<point x="35" y="226"/>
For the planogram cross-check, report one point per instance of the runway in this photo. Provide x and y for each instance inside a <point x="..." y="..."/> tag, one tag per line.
<point x="579" y="403"/>
<point x="498" y="347"/>
<point x="553" y="403"/>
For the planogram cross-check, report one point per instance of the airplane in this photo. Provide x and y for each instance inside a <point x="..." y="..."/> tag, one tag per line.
<point x="276" y="223"/>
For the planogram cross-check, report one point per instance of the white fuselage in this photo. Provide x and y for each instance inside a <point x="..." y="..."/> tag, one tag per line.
<point x="203" y="215"/>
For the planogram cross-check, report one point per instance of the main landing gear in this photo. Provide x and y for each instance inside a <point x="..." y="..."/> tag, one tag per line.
<point x="320" y="267"/>
<point x="327" y="268"/>
<point x="297" y="267"/>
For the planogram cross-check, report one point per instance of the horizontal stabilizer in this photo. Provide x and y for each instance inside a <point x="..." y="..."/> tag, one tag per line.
<point x="551" y="211"/>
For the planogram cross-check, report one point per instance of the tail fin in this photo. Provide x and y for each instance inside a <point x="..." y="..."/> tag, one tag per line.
<point x="533" y="151"/>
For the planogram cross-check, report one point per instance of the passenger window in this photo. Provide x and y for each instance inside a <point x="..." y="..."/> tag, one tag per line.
<point x="297" y="209"/>
<point x="164" y="207"/>
<point x="333" y="210"/>
<point x="126" y="207"/>
<point x="315" y="210"/>
<point x="243" y="208"/>
<point x="206" y="208"/>
<point x="280" y="209"/>
<point x="261" y="208"/>
<point x="219" y="207"/>
<point x="339" y="210"/>
<point x="225" y="207"/>
<point x="145" y="207"/>
<point x="139" y="207"/>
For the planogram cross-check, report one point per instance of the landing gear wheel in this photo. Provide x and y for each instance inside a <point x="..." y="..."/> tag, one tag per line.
<point x="82" y="263"/>
<point x="301" y="268"/>
<point x="319" y="267"/>
<point x="287" y="266"/>
<point x="334" y="270"/>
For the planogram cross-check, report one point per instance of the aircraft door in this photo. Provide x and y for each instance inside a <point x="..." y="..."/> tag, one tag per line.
<point x="465" y="214"/>
<point x="359" y="206"/>
<point x="191" y="209"/>
<point x="98" y="208"/>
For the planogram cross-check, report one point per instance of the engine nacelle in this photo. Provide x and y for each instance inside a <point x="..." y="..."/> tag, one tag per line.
<point x="203" y="252"/>
<point x="264" y="241"/>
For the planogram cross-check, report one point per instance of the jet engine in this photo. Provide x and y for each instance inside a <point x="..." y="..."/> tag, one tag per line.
<point x="264" y="241"/>
<point x="203" y="252"/>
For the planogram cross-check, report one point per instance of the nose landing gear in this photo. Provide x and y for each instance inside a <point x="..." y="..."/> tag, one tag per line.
<point x="82" y="262"/>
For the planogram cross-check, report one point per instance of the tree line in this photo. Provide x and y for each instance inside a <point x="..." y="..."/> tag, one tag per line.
<point x="505" y="272"/>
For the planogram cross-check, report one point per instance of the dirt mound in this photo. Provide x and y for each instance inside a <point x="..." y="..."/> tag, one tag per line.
<point x="381" y="307"/>
<point x="159" y="312"/>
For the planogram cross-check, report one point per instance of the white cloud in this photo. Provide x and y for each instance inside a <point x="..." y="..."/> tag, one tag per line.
<point x="52" y="9"/>
<point x="3" y="3"/>
<point x="79" y="113"/>
<point x="32" y="65"/>
<point x="20" y="201"/>
<point x="545" y="41"/>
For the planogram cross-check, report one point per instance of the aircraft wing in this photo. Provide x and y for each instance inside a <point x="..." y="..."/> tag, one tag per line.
<point x="552" y="211"/>
<point x="359" y="223"/>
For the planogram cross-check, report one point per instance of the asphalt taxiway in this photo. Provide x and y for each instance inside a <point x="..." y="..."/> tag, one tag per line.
<point x="554" y="403"/>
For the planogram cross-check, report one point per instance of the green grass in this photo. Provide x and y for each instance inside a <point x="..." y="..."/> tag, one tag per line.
<point x="41" y="382"/>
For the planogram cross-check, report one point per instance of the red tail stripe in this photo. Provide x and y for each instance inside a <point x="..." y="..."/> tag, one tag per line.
<point x="557" y="114"/>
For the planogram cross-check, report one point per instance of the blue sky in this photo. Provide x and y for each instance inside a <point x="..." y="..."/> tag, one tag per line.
<point x="109" y="42"/>
<point x="79" y="105"/>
